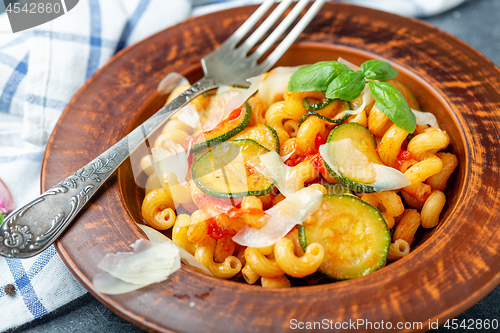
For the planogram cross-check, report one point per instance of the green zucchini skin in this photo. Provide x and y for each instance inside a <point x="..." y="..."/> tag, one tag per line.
<point x="223" y="134"/>
<point x="316" y="106"/>
<point x="199" y="154"/>
<point x="268" y="138"/>
<point x="354" y="131"/>
<point x="339" y="225"/>
<point x="205" y="176"/>
<point x="336" y="189"/>
<point x="332" y="121"/>
<point x="263" y="134"/>
<point x="354" y="186"/>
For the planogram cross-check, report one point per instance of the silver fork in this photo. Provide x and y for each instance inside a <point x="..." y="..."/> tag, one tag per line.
<point x="32" y="228"/>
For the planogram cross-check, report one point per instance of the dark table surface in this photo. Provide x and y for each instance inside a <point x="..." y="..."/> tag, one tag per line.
<point x="476" y="22"/>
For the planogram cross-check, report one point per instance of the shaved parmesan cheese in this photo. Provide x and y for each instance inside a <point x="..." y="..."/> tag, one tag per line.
<point x="149" y="263"/>
<point x="245" y="94"/>
<point x="171" y="161"/>
<point x="224" y="88"/>
<point x="285" y="177"/>
<point x="425" y="118"/>
<point x="349" y="64"/>
<point x="281" y="219"/>
<point x="273" y="86"/>
<point x="287" y="156"/>
<point x="386" y="178"/>
<point x="108" y="284"/>
<point x="367" y="100"/>
<point x="233" y="99"/>
<point x="389" y="178"/>
<point x="157" y="237"/>
<point x="189" y="116"/>
<point x="217" y="110"/>
<point x="170" y="82"/>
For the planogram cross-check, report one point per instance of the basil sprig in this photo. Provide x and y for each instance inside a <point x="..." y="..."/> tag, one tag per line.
<point x="378" y="70"/>
<point x="315" y="77"/>
<point x="347" y="86"/>
<point x="338" y="81"/>
<point x="393" y="104"/>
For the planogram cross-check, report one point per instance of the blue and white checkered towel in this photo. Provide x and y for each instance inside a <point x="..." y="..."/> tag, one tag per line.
<point x="40" y="70"/>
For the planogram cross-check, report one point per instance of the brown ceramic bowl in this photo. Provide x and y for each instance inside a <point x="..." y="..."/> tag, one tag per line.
<point x="450" y="267"/>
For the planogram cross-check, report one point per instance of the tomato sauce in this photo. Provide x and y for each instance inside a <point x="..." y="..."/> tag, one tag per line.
<point x="309" y="155"/>
<point x="223" y="206"/>
<point x="214" y="230"/>
<point x="403" y="156"/>
<point x="319" y="164"/>
<point x="235" y="114"/>
<point x="318" y="141"/>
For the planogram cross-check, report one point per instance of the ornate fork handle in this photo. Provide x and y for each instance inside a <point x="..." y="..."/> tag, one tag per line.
<point x="34" y="227"/>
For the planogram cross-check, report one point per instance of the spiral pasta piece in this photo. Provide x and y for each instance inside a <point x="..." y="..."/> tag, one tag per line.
<point x="179" y="233"/>
<point x="158" y="209"/>
<point x="165" y="140"/>
<point x="390" y="145"/>
<point x="418" y="173"/>
<point x="153" y="183"/>
<point x="307" y="134"/>
<point x="408" y="226"/>
<point x="378" y="122"/>
<point x="224" y="248"/>
<point x="299" y="96"/>
<point x="254" y="212"/>
<point x="259" y="109"/>
<point x="294" y="266"/>
<point x="432" y="208"/>
<point x="249" y="275"/>
<point x="205" y="254"/>
<point x="429" y="141"/>
<point x="439" y="180"/>
<point x="359" y="118"/>
<point x="391" y="202"/>
<point x="279" y="282"/>
<point x="262" y="265"/>
<point x="398" y="250"/>
<point x="280" y="112"/>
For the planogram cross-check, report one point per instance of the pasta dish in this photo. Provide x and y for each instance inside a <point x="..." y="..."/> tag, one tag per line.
<point x="320" y="172"/>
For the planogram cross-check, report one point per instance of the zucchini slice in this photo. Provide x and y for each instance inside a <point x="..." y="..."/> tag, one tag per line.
<point x="353" y="233"/>
<point x="332" y="121"/>
<point x="199" y="154"/>
<point x="263" y="135"/>
<point x="233" y="124"/>
<point x="338" y="189"/>
<point x="316" y="106"/>
<point x="230" y="170"/>
<point x="353" y="166"/>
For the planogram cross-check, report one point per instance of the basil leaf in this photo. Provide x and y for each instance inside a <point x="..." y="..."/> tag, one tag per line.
<point x="378" y="70"/>
<point x="392" y="103"/>
<point x="315" y="77"/>
<point x="1" y="219"/>
<point x="347" y="86"/>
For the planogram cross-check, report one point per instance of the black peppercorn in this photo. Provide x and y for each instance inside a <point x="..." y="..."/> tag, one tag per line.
<point x="10" y="289"/>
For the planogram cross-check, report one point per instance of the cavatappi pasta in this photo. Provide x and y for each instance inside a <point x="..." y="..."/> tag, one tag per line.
<point x="212" y="176"/>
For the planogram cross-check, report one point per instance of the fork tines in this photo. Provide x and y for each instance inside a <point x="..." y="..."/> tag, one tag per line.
<point x="254" y="38"/>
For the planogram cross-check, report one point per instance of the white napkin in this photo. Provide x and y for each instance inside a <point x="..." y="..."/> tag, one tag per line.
<point x="40" y="70"/>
